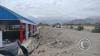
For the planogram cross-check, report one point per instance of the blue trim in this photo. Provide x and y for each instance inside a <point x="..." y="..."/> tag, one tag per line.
<point x="6" y="14"/>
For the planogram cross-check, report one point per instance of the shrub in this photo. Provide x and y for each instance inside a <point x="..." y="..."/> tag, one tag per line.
<point x="71" y="27"/>
<point x="79" y="28"/>
<point x="96" y="29"/>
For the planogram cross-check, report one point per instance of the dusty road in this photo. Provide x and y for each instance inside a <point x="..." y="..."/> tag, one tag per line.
<point x="67" y="42"/>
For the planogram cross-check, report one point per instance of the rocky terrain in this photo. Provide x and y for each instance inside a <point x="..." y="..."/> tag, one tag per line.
<point x="67" y="42"/>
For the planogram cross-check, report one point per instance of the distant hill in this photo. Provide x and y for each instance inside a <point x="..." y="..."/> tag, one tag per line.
<point x="91" y="20"/>
<point x="50" y="20"/>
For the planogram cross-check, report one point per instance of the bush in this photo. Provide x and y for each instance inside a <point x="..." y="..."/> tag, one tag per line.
<point x="79" y="28"/>
<point x="96" y="29"/>
<point x="71" y="27"/>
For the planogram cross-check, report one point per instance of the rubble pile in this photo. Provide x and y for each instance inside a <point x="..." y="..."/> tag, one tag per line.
<point x="60" y="44"/>
<point x="67" y="42"/>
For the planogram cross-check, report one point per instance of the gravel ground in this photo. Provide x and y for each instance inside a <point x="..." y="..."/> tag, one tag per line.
<point x="67" y="42"/>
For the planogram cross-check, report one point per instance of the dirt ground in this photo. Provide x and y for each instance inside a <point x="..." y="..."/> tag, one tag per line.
<point x="67" y="42"/>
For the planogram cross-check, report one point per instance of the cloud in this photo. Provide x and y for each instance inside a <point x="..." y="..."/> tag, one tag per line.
<point x="54" y="8"/>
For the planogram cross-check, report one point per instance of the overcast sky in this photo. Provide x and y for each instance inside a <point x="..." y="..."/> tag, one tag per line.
<point x="54" y="8"/>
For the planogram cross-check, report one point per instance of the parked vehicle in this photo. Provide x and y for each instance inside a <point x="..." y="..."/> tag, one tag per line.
<point x="57" y="25"/>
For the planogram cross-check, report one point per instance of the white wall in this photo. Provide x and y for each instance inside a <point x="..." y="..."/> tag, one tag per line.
<point x="0" y="38"/>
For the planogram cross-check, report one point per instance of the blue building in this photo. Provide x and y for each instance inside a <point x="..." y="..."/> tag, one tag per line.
<point x="14" y="27"/>
<point x="11" y="21"/>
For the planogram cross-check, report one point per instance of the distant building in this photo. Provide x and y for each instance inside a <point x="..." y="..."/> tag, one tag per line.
<point x="57" y="25"/>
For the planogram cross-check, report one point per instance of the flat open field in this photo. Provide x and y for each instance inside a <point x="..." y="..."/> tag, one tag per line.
<point x="67" y="42"/>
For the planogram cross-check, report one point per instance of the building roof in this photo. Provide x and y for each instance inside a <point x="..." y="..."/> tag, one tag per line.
<point x="6" y="14"/>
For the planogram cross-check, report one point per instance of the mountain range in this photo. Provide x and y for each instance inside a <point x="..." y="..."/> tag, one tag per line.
<point x="50" y="20"/>
<point x="90" y="20"/>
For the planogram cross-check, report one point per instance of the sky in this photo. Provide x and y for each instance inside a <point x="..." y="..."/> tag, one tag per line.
<point x="64" y="9"/>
